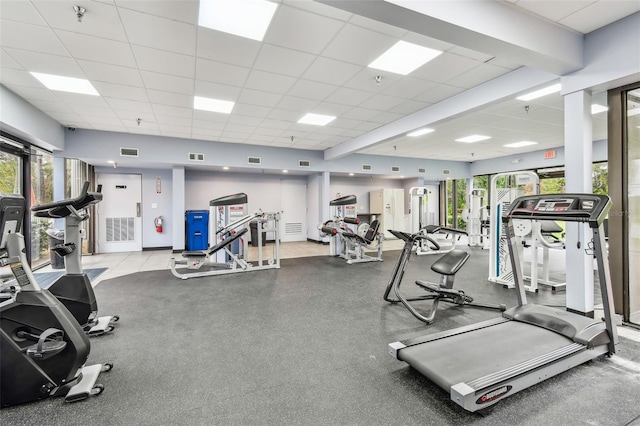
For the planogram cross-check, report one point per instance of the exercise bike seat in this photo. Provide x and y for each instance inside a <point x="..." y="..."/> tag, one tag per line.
<point x="451" y="262"/>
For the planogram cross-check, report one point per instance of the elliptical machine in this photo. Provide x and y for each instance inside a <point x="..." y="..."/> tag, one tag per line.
<point x="42" y="347"/>
<point x="74" y="289"/>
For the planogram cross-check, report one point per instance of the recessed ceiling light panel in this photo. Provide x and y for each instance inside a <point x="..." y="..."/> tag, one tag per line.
<point x="402" y="58"/>
<point x="213" y="105"/>
<point x="316" y="119"/>
<point x="420" y="132"/>
<point x="520" y="144"/>
<point x="540" y="93"/>
<point x="66" y="84"/>
<point x="246" y="18"/>
<point x="473" y="138"/>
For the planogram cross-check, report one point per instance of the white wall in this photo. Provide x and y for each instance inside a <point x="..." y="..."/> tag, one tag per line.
<point x="263" y="191"/>
<point x="360" y="187"/>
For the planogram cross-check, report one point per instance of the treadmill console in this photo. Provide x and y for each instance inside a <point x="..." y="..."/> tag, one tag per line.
<point x="565" y="207"/>
<point x="554" y="205"/>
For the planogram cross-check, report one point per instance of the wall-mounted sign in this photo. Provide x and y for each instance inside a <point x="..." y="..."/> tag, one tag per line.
<point x="550" y="154"/>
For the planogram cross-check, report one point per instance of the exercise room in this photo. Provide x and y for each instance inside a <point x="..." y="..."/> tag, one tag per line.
<point x="312" y="212"/>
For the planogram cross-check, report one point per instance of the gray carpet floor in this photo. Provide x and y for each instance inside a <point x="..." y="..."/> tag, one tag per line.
<point x="307" y="345"/>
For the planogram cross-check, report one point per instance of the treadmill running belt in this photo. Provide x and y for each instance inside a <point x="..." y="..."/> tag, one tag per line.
<point x="468" y="356"/>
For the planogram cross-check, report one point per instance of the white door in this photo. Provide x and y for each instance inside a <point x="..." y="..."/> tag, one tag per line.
<point x="119" y="215"/>
<point x="293" y="199"/>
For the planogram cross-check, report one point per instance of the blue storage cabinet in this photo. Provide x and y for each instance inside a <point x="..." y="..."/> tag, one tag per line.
<point x="197" y="229"/>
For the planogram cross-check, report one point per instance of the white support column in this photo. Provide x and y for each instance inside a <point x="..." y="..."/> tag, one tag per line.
<point x="178" y="186"/>
<point x="325" y="197"/>
<point x="578" y="159"/>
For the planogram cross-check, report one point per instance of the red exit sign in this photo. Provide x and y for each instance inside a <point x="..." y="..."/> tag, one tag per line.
<point x="550" y="154"/>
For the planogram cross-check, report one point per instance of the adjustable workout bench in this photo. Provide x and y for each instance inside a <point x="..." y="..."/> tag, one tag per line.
<point x="447" y="266"/>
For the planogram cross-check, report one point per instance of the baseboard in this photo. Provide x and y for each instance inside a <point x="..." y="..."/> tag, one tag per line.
<point x="585" y="314"/>
<point x="157" y="248"/>
<point x="309" y="240"/>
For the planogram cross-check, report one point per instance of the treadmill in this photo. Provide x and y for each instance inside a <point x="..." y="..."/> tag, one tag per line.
<point x="480" y="364"/>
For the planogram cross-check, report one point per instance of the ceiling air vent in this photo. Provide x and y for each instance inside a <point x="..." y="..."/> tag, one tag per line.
<point x="128" y="152"/>
<point x="304" y="163"/>
<point x="395" y="168"/>
<point x="254" y="160"/>
<point x="196" y="156"/>
<point x="366" y="167"/>
<point x="446" y="172"/>
<point x="422" y="170"/>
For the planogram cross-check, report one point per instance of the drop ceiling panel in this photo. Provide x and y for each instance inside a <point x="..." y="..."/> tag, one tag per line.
<point x="269" y="82"/>
<point x="172" y="110"/>
<point x="179" y="10"/>
<point x="279" y="60"/>
<point x="119" y="91"/>
<point x="260" y="98"/>
<point x="97" y="49"/>
<point x="159" y="33"/>
<point x="30" y="37"/>
<point x="294" y="103"/>
<point x="439" y="93"/>
<point x="227" y="48"/>
<point x="100" y="20"/>
<point x="169" y="62"/>
<point x="407" y="87"/>
<point x="598" y="14"/>
<point x="222" y="73"/>
<point x="49" y="64"/>
<point x="361" y="114"/>
<point x="127" y="105"/>
<point x="158" y="97"/>
<point x="19" y="78"/>
<point x="111" y="73"/>
<point x="224" y="92"/>
<point x="22" y="11"/>
<point x="381" y="102"/>
<point x="301" y="30"/>
<point x="311" y="90"/>
<point x="445" y="67"/>
<point x="167" y="83"/>
<point x="331" y="71"/>
<point x="347" y="96"/>
<point x="358" y="45"/>
<point x="34" y="93"/>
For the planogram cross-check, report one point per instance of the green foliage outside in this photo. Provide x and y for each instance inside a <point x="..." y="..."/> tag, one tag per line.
<point x="9" y="174"/>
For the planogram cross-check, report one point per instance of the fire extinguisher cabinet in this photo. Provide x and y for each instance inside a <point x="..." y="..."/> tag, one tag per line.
<point x="197" y="229"/>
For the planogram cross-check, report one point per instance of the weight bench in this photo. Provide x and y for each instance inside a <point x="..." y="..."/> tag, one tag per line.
<point x="447" y="266"/>
<point x="194" y="259"/>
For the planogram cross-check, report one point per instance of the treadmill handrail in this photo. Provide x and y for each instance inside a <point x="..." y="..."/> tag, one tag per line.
<point x="63" y="208"/>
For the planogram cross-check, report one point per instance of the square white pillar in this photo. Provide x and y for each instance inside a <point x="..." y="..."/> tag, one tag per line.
<point x="578" y="168"/>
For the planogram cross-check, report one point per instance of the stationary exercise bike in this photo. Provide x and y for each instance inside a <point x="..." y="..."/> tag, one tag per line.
<point x="447" y="266"/>
<point x="42" y="347"/>
<point x="74" y="289"/>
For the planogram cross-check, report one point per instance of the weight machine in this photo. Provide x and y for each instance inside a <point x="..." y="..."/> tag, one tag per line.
<point x="505" y="188"/>
<point x="229" y="252"/>
<point x="350" y="238"/>
<point x="476" y="215"/>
